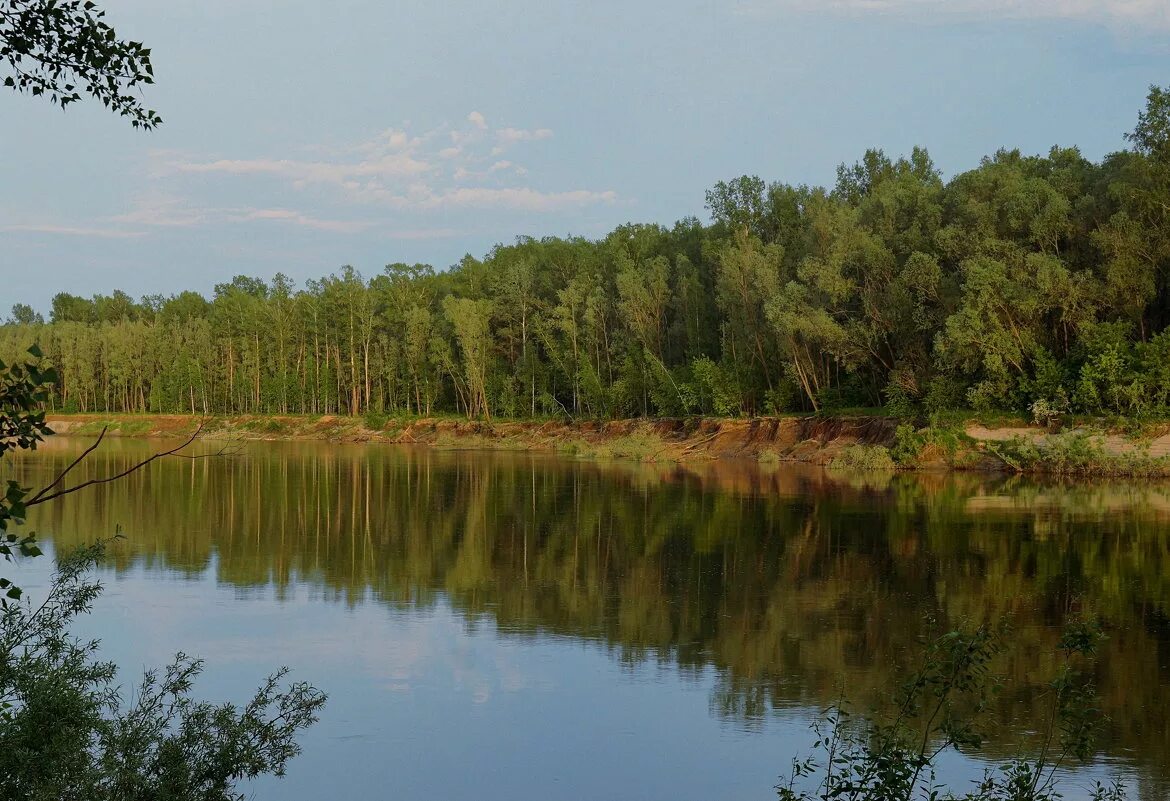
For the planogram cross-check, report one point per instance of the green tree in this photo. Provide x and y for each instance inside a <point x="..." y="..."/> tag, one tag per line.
<point x="470" y="320"/>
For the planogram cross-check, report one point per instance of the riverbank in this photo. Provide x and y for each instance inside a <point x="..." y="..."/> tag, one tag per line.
<point x="846" y="442"/>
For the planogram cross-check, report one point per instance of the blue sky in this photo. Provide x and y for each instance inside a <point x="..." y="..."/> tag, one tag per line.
<point x="299" y="137"/>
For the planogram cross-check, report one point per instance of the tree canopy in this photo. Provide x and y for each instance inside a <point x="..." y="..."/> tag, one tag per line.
<point x="1026" y="280"/>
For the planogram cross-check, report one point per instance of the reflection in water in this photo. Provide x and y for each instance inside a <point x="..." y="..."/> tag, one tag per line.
<point x="790" y="583"/>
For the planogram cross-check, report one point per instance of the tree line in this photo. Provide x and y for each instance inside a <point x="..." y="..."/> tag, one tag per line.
<point x="1027" y="282"/>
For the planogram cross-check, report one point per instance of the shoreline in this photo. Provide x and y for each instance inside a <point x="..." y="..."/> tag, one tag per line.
<point x="855" y="442"/>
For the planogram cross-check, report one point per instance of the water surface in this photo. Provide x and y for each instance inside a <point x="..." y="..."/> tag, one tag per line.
<point x="503" y="626"/>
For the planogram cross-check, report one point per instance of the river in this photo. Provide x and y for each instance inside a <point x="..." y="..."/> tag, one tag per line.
<point x="514" y="626"/>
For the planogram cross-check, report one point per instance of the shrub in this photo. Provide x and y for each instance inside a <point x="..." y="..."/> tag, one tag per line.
<point x="908" y="444"/>
<point x="949" y="441"/>
<point x="1045" y="412"/>
<point x="939" y="709"/>
<point x="864" y="457"/>
<point x="376" y="421"/>
<point x="72" y="736"/>
<point x="1076" y="453"/>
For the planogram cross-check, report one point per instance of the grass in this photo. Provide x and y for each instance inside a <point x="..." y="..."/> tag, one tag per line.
<point x="1077" y="453"/>
<point x="638" y="446"/>
<point x="127" y="426"/>
<point x="864" y="457"/>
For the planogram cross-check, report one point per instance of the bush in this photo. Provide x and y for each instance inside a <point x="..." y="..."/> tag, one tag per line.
<point x="939" y="709"/>
<point x="1077" y="453"/>
<point x="864" y="457"/>
<point x="68" y="734"/>
<point x="908" y="444"/>
<point x="911" y="445"/>
<point x="376" y="421"/>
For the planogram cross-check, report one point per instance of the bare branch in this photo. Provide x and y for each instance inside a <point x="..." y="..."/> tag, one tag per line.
<point x="60" y="477"/>
<point x="134" y="468"/>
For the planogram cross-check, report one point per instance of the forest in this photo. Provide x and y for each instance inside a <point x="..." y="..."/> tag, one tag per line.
<point x="1026" y="283"/>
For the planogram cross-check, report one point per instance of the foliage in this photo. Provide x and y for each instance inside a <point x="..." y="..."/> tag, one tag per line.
<point x="70" y="736"/>
<point x="1078" y="453"/>
<point x="376" y="421"/>
<point x="23" y="390"/>
<point x="940" y="709"/>
<point x="864" y="457"/>
<point x="940" y="439"/>
<point x="60" y="48"/>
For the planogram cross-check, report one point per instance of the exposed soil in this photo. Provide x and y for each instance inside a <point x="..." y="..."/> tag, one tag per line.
<point x="812" y="440"/>
<point x="806" y="439"/>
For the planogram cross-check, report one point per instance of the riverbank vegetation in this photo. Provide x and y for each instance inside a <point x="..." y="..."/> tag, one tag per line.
<point x="1033" y="284"/>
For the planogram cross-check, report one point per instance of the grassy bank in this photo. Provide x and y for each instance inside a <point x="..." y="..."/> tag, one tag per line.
<point x="854" y="443"/>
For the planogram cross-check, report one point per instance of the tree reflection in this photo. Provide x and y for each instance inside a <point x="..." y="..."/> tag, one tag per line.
<point x="792" y="583"/>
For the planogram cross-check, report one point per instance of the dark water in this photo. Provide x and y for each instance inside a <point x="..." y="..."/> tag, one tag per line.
<point x="498" y="626"/>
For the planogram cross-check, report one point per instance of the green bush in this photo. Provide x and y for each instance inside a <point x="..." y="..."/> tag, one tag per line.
<point x="375" y="421"/>
<point x="908" y="444"/>
<point x="864" y="457"/>
<point x="1076" y="453"/>
<point x="938" y="709"/>
<point x="71" y="735"/>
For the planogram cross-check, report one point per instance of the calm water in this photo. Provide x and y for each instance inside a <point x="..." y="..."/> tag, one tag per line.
<point x="497" y="626"/>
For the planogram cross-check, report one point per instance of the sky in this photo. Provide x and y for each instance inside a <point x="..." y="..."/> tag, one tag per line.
<point x="300" y="137"/>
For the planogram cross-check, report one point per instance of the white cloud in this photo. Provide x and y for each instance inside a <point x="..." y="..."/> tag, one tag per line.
<point x="510" y="136"/>
<point x="1128" y="13"/>
<point x="346" y="188"/>
<point x="164" y="211"/>
<point x="300" y="220"/>
<point x="419" y="233"/>
<point x="73" y="230"/>
<point x="389" y="165"/>
<point x="520" y="198"/>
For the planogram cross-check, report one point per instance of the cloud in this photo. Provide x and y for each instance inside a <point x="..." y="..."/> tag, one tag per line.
<point x="349" y="188"/>
<point x="390" y="165"/>
<point x="510" y="136"/>
<point x="165" y="211"/>
<point x="1126" y="13"/>
<point x="420" y="233"/>
<point x="301" y="220"/>
<point x="505" y="165"/>
<point x="73" y="230"/>
<point x="520" y="198"/>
